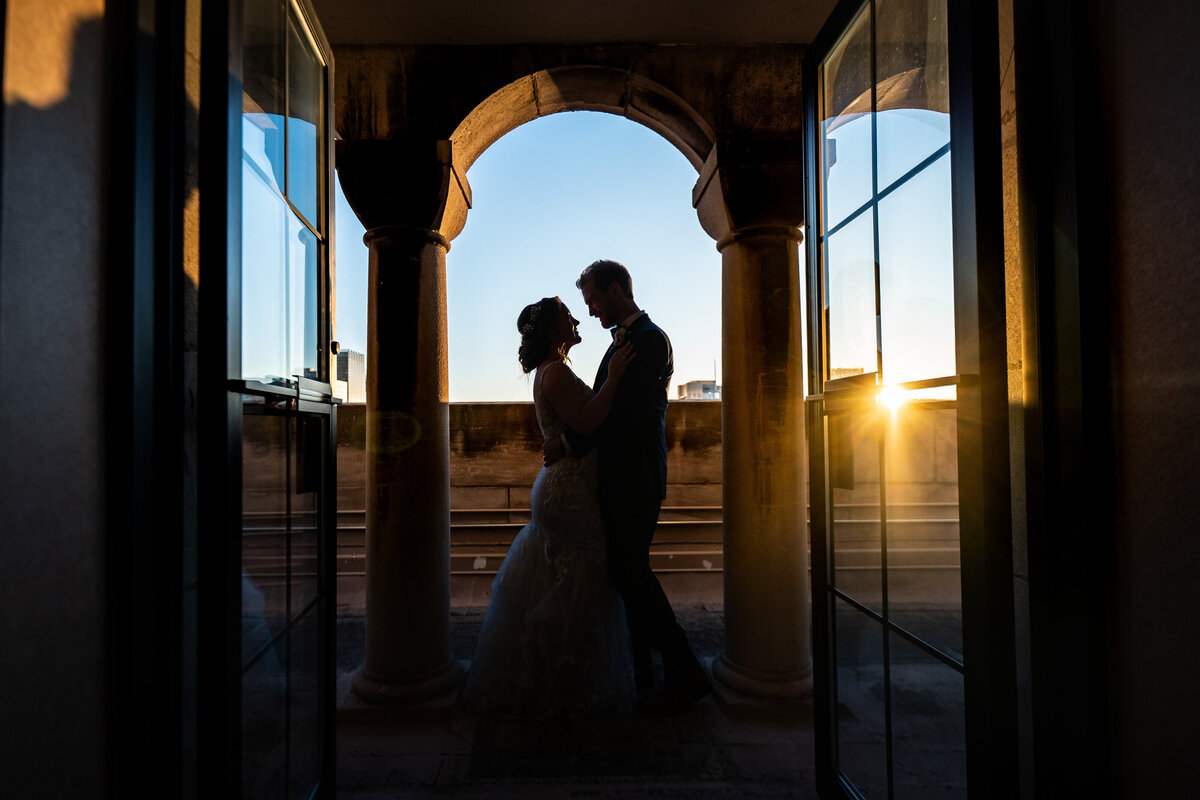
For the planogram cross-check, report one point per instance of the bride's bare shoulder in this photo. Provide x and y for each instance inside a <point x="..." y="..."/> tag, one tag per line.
<point x="558" y="381"/>
<point x="555" y="372"/>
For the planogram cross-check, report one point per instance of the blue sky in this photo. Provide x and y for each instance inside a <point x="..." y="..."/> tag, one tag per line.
<point x="549" y="198"/>
<point x="557" y="193"/>
<point x="915" y="248"/>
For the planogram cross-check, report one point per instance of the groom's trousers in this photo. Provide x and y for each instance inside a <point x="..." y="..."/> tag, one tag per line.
<point x="630" y="528"/>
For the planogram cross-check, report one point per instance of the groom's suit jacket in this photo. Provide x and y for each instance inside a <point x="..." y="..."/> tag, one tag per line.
<point x="632" y="441"/>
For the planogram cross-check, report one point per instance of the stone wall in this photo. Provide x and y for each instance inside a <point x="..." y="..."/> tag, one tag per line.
<point x="495" y="454"/>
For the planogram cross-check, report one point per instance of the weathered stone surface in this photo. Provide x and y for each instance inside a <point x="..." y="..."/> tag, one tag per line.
<point x="475" y="94"/>
<point x="495" y="453"/>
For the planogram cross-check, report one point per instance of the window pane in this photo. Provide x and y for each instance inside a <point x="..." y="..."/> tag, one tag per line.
<point x="263" y="89"/>
<point x="306" y="117"/>
<point x="264" y="709"/>
<point x="854" y="481"/>
<point x="303" y="322"/>
<point x="846" y="122"/>
<point x="924" y="577"/>
<point x="861" y="729"/>
<point x="264" y="530"/>
<point x="929" y="753"/>
<point x="850" y="299"/>
<point x="304" y="740"/>
<point x="916" y="276"/>
<point x="912" y="90"/>
<point x="306" y="483"/>
<point x="264" y="279"/>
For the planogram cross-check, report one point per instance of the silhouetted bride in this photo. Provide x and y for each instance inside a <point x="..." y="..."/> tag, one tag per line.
<point x="553" y="642"/>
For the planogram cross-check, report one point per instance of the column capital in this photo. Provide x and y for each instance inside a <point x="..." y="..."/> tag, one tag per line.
<point x="396" y="234"/>
<point x="778" y="229"/>
<point x="751" y="187"/>
<point x="404" y="183"/>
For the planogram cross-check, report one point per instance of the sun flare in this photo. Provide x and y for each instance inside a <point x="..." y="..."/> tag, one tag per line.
<point x="892" y="397"/>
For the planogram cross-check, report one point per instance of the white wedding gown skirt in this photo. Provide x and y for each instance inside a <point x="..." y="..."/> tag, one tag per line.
<point x="554" y="642"/>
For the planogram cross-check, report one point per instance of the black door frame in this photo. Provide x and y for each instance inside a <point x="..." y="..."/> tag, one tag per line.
<point x="983" y="439"/>
<point x="144" y="419"/>
<point x="1069" y="458"/>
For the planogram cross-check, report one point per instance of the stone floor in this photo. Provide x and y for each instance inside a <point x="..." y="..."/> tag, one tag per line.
<point x="721" y="748"/>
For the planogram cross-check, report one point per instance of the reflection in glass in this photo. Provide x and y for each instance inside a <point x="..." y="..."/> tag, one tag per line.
<point x="306" y="106"/>
<point x="850" y="299"/>
<point x="854" y="479"/>
<point x="282" y="469"/>
<point x="306" y="483"/>
<point x="912" y="87"/>
<point x="263" y="94"/>
<point x="280" y="300"/>
<point x="264" y="279"/>
<point x="928" y="725"/>
<point x="304" y="726"/>
<point x="280" y="255"/>
<point x="916" y="277"/>
<point x="264" y="530"/>
<point x="846" y="122"/>
<point x="906" y="138"/>
<point x="303" y="324"/>
<point x="861" y="722"/>
<point x="924" y="577"/>
<point x="264" y="708"/>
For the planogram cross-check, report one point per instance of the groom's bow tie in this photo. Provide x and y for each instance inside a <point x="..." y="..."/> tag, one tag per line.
<point x="618" y="335"/>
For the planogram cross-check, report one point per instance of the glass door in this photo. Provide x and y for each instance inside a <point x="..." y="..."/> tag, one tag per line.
<point x="268" y="548"/>
<point x="288" y="419"/>
<point x="286" y="466"/>
<point x="891" y="555"/>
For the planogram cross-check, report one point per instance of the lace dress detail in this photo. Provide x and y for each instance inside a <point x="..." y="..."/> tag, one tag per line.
<point x="553" y="642"/>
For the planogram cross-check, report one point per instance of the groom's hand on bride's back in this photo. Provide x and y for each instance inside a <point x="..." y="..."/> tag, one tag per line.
<point x="552" y="449"/>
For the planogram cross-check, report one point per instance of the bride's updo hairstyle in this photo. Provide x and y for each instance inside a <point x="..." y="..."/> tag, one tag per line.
<point x="536" y="325"/>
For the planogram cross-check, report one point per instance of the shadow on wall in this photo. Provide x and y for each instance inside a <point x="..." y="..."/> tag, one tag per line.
<point x="68" y="364"/>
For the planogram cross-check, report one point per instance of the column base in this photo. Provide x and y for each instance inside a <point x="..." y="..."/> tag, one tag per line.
<point x="758" y="684"/>
<point x="408" y="688"/>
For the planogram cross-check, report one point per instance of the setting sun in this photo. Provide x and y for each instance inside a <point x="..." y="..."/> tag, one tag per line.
<point x="892" y="397"/>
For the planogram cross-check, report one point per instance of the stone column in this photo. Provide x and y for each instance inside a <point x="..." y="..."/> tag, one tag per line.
<point x="750" y="201"/>
<point x="400" y="192"/>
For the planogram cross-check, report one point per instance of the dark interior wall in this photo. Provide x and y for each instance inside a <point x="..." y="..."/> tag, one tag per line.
<point x="51" y="400"/>
<point x="1148" y="88"/>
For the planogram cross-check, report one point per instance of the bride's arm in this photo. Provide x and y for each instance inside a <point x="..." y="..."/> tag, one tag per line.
<point x="570" y="398"/>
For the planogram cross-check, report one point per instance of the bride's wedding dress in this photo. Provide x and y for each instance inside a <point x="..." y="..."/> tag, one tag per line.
<point x="553" y="642"/>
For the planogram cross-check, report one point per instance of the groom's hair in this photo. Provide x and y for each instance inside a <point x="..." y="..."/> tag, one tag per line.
<point x="604" y="273"/>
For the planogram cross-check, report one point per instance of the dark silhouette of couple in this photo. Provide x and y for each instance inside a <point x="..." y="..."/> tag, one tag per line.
<point x="576" y="611"/>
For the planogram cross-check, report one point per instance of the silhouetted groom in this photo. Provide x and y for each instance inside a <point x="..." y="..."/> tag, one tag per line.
<point x="633" y="482"/>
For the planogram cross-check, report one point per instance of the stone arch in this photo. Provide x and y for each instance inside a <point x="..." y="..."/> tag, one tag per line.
<point x="582" y="88"/>
<point x="412" y="133"/>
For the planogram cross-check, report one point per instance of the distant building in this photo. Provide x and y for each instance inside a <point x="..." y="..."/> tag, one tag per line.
<point x="352" y="371"/>
<point x="699" y="390"/>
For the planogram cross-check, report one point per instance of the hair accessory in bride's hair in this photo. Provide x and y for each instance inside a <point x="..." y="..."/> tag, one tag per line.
<point x="527" y="328"/>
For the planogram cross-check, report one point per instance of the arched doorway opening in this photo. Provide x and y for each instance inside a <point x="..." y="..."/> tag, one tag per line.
<point x="747" y="198"/>
<point x="548" y="198"/>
